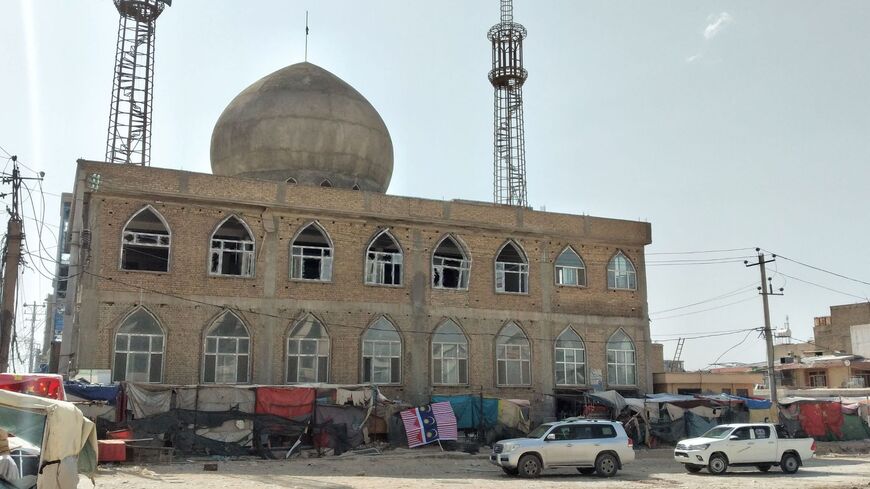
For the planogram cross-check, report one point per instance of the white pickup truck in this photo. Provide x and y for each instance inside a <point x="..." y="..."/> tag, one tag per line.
<point x="756" y="444"/>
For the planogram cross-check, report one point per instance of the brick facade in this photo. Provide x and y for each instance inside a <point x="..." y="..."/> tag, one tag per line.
<point x="187" y="299"/>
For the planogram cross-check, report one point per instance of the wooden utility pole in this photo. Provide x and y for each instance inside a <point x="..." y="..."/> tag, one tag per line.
<point x="11" y="260"/>
<point x="31" y="364"/>
<point x="765" y="290"/>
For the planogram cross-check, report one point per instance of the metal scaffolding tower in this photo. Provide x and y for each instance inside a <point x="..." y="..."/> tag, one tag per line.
<point x="507" y="77"/>
<point x="130" y="114"/>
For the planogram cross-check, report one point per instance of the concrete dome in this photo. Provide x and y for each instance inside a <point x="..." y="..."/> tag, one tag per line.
<point x="306" y="124"/>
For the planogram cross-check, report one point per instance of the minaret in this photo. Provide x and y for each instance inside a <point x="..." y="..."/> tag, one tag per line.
<point x="129" y="138"/>
<point x="507" y="77"/>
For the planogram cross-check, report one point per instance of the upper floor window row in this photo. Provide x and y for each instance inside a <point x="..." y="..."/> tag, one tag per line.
<point x="146" y="241"/>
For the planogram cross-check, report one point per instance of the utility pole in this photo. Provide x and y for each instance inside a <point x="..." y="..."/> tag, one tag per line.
<point x="32" y="350"/>
<point x="11" y="260"/>
<point x="765" y="290"/>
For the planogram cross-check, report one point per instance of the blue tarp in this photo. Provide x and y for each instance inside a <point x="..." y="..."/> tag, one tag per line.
<point x="669" y="398"/>
<point x="467" y="410"/>
<point x="93" y="392"/>
<point x="697" y="425"/>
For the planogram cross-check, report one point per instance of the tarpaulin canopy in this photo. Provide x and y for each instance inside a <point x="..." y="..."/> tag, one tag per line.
<point x="468" y="409"/>
<point x="93" y="392"/>
<point x="287" y="402"/>
<point x="215" y="398"/>
<point x="146" y="400"/>
<point x="612" y="398"/>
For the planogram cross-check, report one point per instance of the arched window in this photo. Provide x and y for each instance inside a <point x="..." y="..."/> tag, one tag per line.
<point x="384" y="260"/>
<point x="513" y="356"/>
<point x="570" y="269"/>
<point x="232" y="249"/>
<point x="355" y="187"/>
<point x="326" y="183"/>
<point x="449" y="354"/>
<point x="511" y="269"/>
<point x="227" y="351"/>
<point x="621" y="274"/>
<point x="450" y="265"/>
<point x="570" y="359"/>
<point x="291" y="181"/>
<point x="621" y="362"/>
<point x="139" y="350"/>
<point x="311" y="254"/>
<point x="145" y="242"/>
<point x="382" y="353"/>
<point x="308" y="352"/>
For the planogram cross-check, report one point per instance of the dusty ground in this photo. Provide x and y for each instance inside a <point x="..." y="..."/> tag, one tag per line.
<point x="428" y="468"/>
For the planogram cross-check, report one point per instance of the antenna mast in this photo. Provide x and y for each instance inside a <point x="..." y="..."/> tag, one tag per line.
<point x="507" y="77"/>
<point x="129" y="138"/>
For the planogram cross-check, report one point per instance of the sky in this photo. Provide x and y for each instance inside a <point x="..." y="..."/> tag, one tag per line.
<point x="726" y="125"/>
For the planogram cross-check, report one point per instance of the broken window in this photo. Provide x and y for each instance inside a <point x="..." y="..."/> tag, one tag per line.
<point x="621" y="362"/>
<point x="621" y="274"/>
<point x="384" y="261"/>
<point x="139" y="349"/>
<point x="308" y="352"/>
<point x="232" y="249"/>
<point x="570" y="269"/>
<point x="513" y="356"/>
<point x="382" y="353"/>
<point x="145" y="242"/>
<point x="449" y="354"/>
<point x="227" y="349"/>
<point x="311" y="255"/>
<point x="511" y="270"/>
<point x="450" y="266"/>
<point x="570" y="359"/>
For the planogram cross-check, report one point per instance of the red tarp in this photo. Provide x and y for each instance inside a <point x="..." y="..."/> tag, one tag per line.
<point x="287" y="402"/>
<point x="820" y="419"/>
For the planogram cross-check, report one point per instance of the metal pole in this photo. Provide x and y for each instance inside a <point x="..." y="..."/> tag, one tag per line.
<point x="10" y="283"/>
<point x="32" y="335"/>
<point x="768" y="334"/>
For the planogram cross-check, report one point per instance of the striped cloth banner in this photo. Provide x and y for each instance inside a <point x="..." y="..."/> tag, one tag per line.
<point x="429" y="423"/>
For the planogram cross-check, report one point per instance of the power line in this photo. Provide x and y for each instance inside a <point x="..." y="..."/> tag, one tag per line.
<point x="821" y="269"/>
<point x="712" y="299"/>
<point x="698" y="252"/>
<point x="821" y="286"/>
<point x="703" y="310"/>
<point x="733" y="347"/>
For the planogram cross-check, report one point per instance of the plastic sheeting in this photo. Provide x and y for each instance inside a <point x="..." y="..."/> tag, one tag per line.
<point x="697" y="425"/>
<point x="854" y="428"/>
<point x="93" y="392"/>
<point x="468" y="410"/>
<point x="822" y="420"/>
<point x="346" y="420"/>
<point x="145" y="400"/>
<point x="286" y="402"/>
<point x="215" y="398"/>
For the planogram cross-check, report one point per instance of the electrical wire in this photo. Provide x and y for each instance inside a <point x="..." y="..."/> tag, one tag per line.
<point x="697" y="252"/>
<point x="716" y="362"/>
<point x="703" y="310"/>
<point x="712" y="299"/>
<point x="822" y="286"/>
<point x="819" y="268"/>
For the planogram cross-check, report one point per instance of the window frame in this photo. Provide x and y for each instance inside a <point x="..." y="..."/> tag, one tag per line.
<point x="630" y="274"/>
<point x="556" y="267"/>
<point x="252" y="252"/>
<point x="205" y="353"/>
<point x="458" y="359"/>
<point x="376" y="261"/>
<point x="326" y="339"/>
<point x="127" y="352"/>
<point x="302" y="257"/>
<point x="168" y="245"/>
<point x="500" y="270"/>
<point x="464" y="268"/>
<point x="522" y="361"/>
<point x="620" y="364"/>
<point x="813" y="375"/>
<point x="370" y="371"/>
<point x="556" y="361"/>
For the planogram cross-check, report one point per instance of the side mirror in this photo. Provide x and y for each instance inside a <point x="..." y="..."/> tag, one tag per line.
<point x="550" y="437"/>
<point x="733" y="437"/>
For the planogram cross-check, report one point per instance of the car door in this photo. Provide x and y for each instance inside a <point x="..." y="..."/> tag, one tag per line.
<point x="740" y="444"/>
<point x="763" y="447"/>
<point x="558" y="450"/>
<point x="583" y="449"/>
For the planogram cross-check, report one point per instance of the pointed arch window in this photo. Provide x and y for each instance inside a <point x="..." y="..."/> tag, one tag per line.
<point x="291" y="181"/>
<point x="450" y="265"/>
<point x="621" y="274"/>
<point x="570" y="359"/>
<point x="326" y="183"/>
<point x="449" y="355"/>
<point x="511" y="270"/>
<point x="232" y="249"/>
<point x="146" y="242"/>
<point x="513" y="356"/>
<point x="311" y="254"/>
<point x="139" y="349"/>
<point x="355" y="187"/>
<point x="308" y="352"/>
<point x="227" y="351"/>
<point x="384" y="260"/>
<point x="621" y="360"/>
<point x="382" y="353"/>
<point x="570" y="269"/>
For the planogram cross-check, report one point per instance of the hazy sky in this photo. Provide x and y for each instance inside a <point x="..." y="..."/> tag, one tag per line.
<point x="727" y="125"/>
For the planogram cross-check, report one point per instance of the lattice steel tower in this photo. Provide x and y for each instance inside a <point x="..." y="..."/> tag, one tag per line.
<point x="130" y="114"/>
<point x="507" y="77"/>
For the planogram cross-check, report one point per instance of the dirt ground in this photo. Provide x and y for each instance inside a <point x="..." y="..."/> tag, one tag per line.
<point x="429" y="468"/>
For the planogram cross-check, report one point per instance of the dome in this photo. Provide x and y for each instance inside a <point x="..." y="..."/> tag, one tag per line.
<point x="305" y="125"/>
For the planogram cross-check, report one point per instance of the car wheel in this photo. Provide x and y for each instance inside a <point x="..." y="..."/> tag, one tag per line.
<point x="789" y="463"/>
<point x="763" y="467"/>
<point x="606" y="465"/>
<point x="718" y="464"/>
<point x="586" y="470"/>
<point x="693" y="469"/>
<point x="510" y="471"/>
<point x="529" y="466"/>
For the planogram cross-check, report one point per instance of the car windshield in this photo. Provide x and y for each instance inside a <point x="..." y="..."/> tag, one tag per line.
<point x="539" y="431"/>
<point x="718" y="432"/>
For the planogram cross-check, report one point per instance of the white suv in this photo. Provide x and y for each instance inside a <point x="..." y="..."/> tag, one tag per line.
<point x="589" y="445"/>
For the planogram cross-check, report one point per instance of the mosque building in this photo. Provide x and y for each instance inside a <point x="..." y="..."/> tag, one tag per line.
<point x="290" y="264"/>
